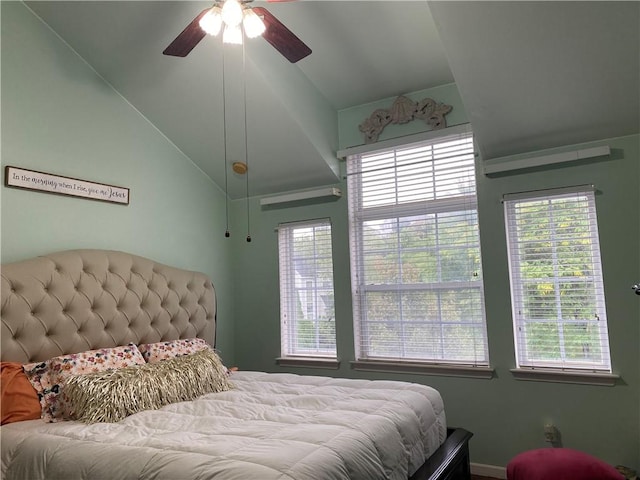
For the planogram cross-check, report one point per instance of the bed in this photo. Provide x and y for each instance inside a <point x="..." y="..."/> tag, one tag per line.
<point x="259" y="426"/>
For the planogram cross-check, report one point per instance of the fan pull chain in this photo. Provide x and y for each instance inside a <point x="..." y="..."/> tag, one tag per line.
<point x="227" y="234"/>
<point x="246" y="142"/>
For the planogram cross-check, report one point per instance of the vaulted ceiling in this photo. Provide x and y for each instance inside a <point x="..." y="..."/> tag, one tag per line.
<point x="531" y="75"/>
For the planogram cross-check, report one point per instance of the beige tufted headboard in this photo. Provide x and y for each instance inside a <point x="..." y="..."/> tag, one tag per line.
<point x="78" y="300"/>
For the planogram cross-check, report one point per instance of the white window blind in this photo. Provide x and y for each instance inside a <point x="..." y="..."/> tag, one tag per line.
<point x="307" y="315"/>
<point x="557" y="292"/>
<point x="415" y="254"/>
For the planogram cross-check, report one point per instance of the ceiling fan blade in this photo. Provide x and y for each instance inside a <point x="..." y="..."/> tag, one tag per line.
<point x="188" y="39"/>
<point x="282" y="39"/>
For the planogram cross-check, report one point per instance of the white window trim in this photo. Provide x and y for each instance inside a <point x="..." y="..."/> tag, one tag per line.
<point x="309" y="362"/>
<point x="302" y="358"/>
<point x="423" y="368"/>
<point x="435" y="366"/>
<point x="556" y="371"/>
<point x="565" y="376"/>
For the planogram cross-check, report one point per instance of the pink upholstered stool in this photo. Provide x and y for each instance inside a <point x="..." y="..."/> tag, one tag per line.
<point x="559" y="464"/>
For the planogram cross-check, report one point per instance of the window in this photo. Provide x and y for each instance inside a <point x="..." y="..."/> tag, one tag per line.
<point x="415" y="254"/>
<point x="557" y="291"/>
<point x="307" y="315"/>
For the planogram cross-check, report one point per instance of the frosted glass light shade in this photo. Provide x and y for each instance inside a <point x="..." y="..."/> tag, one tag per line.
<point x="232" y="13"/>
<point x="232" y="35"/>
<point x="212" y="21"/>
<point x="253" y="24"/>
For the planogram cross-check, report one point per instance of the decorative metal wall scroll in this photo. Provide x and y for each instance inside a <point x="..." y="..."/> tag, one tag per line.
<point x="402" y="111"/>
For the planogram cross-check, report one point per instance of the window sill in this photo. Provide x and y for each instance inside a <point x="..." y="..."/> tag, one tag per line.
<point x="423" y="368"/>
<point x="312" y="362"/>
<point x="565" y="376"/>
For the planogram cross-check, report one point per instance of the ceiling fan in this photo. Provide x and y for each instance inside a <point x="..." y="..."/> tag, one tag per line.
<point x="230" y="14"/>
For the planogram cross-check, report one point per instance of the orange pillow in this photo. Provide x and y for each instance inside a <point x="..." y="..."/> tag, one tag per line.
<point x="19" y="399"/>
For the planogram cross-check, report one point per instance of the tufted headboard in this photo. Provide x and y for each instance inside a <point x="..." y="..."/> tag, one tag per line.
<point x="78" y="300"/>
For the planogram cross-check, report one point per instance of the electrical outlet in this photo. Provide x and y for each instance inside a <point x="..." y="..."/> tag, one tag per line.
<point x="550" y="433"/>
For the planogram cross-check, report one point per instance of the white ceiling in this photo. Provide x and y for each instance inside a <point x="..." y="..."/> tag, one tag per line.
<point x="535" y="75"/>
<point x="532" y="75"/>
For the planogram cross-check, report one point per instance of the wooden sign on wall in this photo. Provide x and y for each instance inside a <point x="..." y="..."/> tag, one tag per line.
<point x="46" y="182"/>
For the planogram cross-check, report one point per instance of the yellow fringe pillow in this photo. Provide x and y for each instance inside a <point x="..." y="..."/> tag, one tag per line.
<point x="113" y="395"/>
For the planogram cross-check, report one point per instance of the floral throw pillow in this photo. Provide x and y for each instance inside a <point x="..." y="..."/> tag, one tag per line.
<point x="91" y="361"/>
<point x="157" y="352"/>
<point x="38" y="375"/>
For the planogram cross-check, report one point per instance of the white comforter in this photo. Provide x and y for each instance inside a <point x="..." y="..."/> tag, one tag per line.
<point x="271" y="426"/>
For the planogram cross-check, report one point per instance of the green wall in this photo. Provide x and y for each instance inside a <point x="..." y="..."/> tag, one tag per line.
<point x="60" y="117"/>
<point x="506" y="415"/>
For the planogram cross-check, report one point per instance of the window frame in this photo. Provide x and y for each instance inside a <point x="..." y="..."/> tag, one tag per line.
<point x="290" y="355"/>
<point x="358" y="216"/>
<point x="528" y="368"/>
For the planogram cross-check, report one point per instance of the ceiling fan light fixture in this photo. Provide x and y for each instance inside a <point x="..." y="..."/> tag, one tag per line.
<point x="232" y="13"/>
<point x="212" y="21"/>
<point x="253" y="24"/>
<point x="232" y="35"/>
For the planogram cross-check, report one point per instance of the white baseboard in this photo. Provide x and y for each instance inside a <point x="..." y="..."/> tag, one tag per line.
<point x="488" y="470"/>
